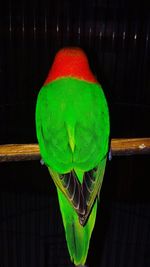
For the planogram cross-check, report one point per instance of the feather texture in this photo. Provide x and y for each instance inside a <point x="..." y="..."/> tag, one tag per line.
<point x="72" y="125"/>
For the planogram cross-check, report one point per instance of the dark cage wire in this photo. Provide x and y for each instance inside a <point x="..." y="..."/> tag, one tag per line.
<point x="116" y="37"/>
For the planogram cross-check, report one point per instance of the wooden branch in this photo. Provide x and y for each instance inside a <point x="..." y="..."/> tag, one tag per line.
<point x="19" y="152"/>
<point x="119" y="147"/>
<point x="133" y="146"/>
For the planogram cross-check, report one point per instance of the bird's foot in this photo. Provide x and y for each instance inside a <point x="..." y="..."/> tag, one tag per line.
<point x="42" y="162"/>
<point x="110" y="155"/>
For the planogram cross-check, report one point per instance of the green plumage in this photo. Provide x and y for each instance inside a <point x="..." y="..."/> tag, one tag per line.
<point x="77" y="236"/>
<point x="72" y="124"/>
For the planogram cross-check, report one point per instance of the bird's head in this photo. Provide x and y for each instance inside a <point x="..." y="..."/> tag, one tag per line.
<point x="70" y="62"/>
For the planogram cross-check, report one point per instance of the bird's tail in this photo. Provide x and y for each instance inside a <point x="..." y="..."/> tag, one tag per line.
<point x="77" y="236"/>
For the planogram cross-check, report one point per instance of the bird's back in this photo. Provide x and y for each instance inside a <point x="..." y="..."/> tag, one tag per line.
<point x="74" y="124"/>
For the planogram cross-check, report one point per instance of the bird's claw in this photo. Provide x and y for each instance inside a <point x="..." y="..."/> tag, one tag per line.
<point x="110" y="155"/>
<point x="42" y="162"/>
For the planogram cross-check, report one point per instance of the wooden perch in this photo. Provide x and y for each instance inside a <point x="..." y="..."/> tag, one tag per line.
<point x="119" y="147"/>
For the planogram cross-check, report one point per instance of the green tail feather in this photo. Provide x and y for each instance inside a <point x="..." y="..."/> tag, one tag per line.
<point x="77" y="236"/>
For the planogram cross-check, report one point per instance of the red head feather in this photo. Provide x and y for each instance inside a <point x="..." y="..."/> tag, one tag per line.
<point x="71" y="62"/>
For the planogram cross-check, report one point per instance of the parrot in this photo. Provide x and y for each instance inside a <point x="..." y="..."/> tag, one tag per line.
<point x="73" y="128"/>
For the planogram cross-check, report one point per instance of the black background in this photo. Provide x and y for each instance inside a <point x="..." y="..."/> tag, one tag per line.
<point x="116" y="37"/>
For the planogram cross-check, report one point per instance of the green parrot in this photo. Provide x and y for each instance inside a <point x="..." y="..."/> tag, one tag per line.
<point x="72" y="126"/>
